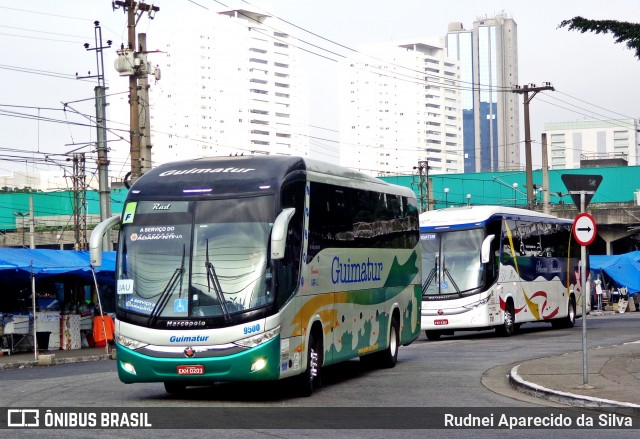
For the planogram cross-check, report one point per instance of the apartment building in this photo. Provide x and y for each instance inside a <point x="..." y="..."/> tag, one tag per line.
<point x="399" y="105"/>
<point x="571" y="143"/>
<point x="231" y="84"/>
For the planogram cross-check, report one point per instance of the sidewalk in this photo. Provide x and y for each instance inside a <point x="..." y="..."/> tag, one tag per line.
<point x="613" y="377"/>
<point x="58" y="356"/>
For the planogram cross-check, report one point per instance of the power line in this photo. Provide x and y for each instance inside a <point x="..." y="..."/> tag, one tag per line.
<point x="594" y="105"/>
<point x="43" y="32"/>
<point x="44" y="13"/>
<point x="381" y="71"/>
<point x="319" y="139"/>
<point x="592" y="115"/>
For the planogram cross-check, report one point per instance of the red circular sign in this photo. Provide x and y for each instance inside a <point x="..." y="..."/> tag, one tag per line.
<point x="584" y="229"/>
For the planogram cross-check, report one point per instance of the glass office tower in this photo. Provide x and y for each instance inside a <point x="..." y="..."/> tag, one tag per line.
<point x="488" y="59"/>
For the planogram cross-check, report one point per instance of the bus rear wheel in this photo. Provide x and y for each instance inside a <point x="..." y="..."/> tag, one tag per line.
<point x="570" y="320"/>
<point x="389" y="357"/>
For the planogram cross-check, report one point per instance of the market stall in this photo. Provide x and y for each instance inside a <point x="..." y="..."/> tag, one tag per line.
<point x="49" y="298"/>
<point x="618" y="278"/>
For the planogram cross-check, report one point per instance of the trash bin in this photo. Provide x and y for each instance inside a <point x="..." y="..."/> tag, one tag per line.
<point x="42" y="339"/>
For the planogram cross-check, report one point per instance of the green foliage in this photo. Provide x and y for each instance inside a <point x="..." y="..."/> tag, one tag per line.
<point x="624" y="32"/>
<point x="17" y="190"/>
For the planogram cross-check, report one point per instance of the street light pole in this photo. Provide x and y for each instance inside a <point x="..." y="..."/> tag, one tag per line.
<point x="32" y="237"/>
<point x="22" y="215"/>
<point x="468" y="199"/>
<point x="446" y="197"/>
<point x="515" y="194"/>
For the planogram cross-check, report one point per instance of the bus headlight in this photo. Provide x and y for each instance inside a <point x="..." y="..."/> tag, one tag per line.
<point x="259" y="364"/>
<point x="130" y="343"/>
<point x="128" y="367"/>
<point x="478" y="303"/>
<point x="257" y="339"/>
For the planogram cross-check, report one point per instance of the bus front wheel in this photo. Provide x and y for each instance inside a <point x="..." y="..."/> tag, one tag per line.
<point x="508" y="326"/>
<point x="174" y="388"/>
<point x="310" y="379"/>
<point x="433" y="335"/>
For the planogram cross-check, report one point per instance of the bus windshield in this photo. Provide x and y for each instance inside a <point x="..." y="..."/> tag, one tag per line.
<point x="195" y="258"/>
<point x="451" y="261"/>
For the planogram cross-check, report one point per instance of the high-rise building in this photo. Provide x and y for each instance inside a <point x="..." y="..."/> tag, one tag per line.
<point x="400" y="105"/>
<point x="230" y="85"/>
<point x="571" y="143"/>
<point x="488" y="56"/>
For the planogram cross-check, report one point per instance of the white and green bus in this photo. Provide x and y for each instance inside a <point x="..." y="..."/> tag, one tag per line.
<point x="261" y="268"/>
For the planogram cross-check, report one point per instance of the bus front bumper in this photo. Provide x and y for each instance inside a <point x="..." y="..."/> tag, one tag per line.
<point x="442" y="320"/>
<point x="260" y="363"/>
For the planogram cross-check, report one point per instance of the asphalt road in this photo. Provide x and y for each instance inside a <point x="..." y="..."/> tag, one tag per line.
<point x="465" y="370"/>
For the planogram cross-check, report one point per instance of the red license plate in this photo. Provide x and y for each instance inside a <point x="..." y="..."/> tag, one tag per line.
<point x="191" y="370"/>
<point x="441" y="322"/>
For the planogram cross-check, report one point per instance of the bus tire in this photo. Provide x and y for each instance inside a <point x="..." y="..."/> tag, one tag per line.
<point x="508" y="326"/>
<point x="174" y="388"/>
<point x="389" y="357"/>
<point x="570" y="320"/>
<point x="433" y="335"/>
<point x="311" y="378"/>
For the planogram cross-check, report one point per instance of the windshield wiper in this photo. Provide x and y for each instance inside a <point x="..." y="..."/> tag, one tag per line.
<point x="166" y="293"/>
<point x="432" y="275"/>
<point x="212" y="279"/>
<point x="427" y="282"/>
<point x="448" y="274"/>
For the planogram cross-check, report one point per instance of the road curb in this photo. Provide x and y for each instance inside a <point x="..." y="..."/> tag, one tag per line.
<point x="559" y="396"/>
<point x="54" y="361"/>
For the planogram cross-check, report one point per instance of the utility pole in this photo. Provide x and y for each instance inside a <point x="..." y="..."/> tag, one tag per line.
<point x="527" y="131"/>
<point x="79" y="201"/>
<point x="423" y="184"/>
<point x="545" y="176"/>
<point x="144" y="118"/>
<point x="134" y="121"/>
<point x="130" y="63"/>
<point x="101" y="109"/>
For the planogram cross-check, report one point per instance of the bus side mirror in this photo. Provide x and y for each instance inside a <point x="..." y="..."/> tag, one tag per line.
<point x="485" y="253"/>
<point x="95" y="241"/>
<point x="279" y="233"/>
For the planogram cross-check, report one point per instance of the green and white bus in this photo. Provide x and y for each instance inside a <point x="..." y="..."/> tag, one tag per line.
<point x="261" y="268"/>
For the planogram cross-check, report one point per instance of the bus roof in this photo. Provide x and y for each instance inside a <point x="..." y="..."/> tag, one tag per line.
<point x="470" y="216"/>
<point x="251" y="173"/>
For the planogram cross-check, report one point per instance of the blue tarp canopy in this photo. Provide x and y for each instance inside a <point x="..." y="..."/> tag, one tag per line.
<point x="16" y="262"/>
<point x="624" y="269"/>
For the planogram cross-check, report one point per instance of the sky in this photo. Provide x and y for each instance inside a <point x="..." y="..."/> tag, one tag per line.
<point x="45" y="111"/>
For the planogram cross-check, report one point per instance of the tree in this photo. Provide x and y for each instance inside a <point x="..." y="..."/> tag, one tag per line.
<point x="624" y="32"/>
